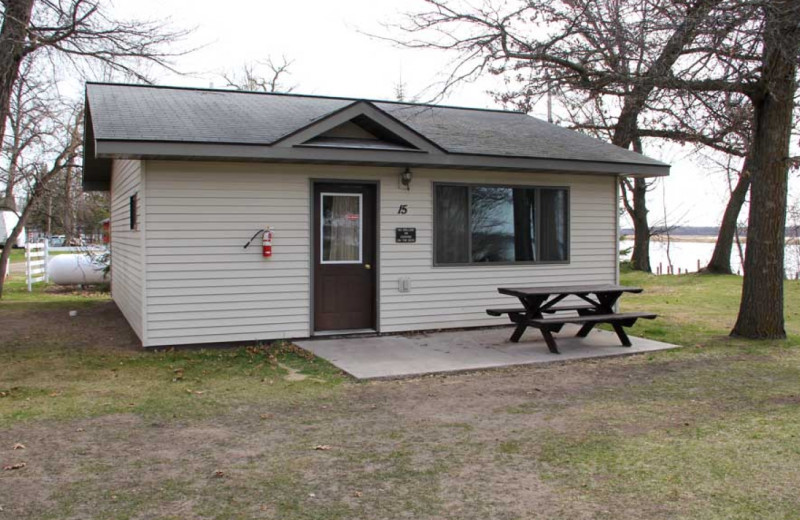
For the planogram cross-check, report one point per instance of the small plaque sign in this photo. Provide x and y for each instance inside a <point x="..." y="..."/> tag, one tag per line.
<point x="405" y="234"/>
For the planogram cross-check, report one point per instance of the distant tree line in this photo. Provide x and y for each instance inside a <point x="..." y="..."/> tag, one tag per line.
<point x="706" y="231"/>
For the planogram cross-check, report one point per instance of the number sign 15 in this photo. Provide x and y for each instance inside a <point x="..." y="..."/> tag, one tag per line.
<point x="403" y="209"/>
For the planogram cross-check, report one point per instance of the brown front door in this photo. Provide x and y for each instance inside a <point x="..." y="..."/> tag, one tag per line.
<point x="344" y="256"/>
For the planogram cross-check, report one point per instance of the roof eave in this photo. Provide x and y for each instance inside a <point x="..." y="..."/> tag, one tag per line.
<point x="111" y="149"/>
<point x="96" y="170"/>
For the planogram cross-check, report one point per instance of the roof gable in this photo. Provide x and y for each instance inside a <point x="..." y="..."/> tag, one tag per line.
<point x="335" y="129"/>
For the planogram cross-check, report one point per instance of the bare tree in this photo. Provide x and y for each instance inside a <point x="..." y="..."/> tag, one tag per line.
<point x="717" y="124"/>
<point x="633" y="51"/>
<point x="77" y="34"/>
<point x="761" y="308"/>
<point x="81" y="33"/>
<point x="251" y="79"/>
<point x="400" y="90"/>
<point x="758" y="59"/>
<point x="61" y="142"/>
<point x="605" y="55"/>
<point x="27" y="115"/>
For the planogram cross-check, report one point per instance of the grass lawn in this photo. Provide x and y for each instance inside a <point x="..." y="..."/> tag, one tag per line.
<point x="17" y="255"/>
<point x="711" y="431"/>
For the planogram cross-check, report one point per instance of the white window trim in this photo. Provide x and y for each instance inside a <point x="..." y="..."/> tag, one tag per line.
<point x="322" y="228"/>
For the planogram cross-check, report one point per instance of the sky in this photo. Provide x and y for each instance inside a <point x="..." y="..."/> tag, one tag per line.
<point x="333" y="54"/>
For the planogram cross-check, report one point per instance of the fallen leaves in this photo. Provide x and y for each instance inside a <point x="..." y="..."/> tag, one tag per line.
<point x="12" y="467"/>
<point x="219" y="474"/>
<point x="322" y="447"/>
<point x="19" y="446"/>
<point x="194" y="392"/>
<point x="265" y="416"/>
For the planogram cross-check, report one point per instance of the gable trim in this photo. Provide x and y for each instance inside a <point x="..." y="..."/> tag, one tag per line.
<point x="301" y="136"/>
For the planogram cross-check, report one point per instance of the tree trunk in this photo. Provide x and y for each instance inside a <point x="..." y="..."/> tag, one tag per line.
<point x="13" y="37"/>
<point x="4" y="255"/>
<point x="761" y="309"/>
<point x="49" y="228"/>
<point x="69" y="226"/>
<point x="720" y="262"/>
<point x="637" y="210"/>
<point x="640" y="258"/>
<point x="8" y="201"/>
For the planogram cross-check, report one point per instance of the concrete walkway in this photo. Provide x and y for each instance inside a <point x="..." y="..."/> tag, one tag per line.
<point x="389" y="357"/>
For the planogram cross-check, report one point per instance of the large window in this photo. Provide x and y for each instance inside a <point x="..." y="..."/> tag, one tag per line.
<point x="485" y="224"/>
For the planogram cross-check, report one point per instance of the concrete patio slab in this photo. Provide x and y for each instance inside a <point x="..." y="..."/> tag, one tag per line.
<point x="387" y="357"/>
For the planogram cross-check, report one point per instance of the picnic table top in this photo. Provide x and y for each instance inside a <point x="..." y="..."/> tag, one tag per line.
<point x="521" y="292"/>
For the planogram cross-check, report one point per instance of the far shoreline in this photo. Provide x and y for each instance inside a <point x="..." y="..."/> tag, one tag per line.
<point x="699" y="239"/>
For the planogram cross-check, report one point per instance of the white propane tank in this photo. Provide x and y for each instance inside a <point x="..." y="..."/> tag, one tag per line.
<point x="76" y="270"/>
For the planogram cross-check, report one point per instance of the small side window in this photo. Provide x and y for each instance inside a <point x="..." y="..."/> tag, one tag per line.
<point x="133" y="204"/>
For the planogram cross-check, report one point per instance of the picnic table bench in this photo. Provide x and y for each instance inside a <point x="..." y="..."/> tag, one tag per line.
<point x="598" y="308"/>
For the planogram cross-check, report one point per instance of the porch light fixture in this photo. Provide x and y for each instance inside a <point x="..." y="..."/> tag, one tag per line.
<point x="405" y="179"/>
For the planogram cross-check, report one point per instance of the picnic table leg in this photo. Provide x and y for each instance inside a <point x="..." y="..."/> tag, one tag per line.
<point x="550" y="340"/>
<point x="518" y="332"/>
<point x="623" y="337"/>
<point x="607" y="301"/>
<point x="585" y="330"/>
<point x="532" y="310"/>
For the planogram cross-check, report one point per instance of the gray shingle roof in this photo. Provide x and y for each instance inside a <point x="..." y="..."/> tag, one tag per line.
<point x="144" y="113"/>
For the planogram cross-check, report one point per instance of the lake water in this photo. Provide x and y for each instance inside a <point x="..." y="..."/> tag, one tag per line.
<point x="685" y="255"/>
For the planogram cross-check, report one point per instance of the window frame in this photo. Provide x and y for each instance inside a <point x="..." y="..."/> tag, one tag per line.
<point x="537" y="223"/>
<point x="360" y="197"/>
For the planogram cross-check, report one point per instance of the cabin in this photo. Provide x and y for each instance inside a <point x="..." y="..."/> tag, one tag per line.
<point x="384" y="217"/>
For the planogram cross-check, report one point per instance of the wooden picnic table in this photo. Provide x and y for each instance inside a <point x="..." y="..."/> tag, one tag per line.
<point x="597" y="307"/>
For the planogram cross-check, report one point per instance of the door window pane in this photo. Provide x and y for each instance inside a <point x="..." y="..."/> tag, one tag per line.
<point x="452" y="224"/>
<point x="341" y="228"/>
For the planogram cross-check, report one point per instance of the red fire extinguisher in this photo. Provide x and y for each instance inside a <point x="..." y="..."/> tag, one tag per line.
<point x="266" y="243"/>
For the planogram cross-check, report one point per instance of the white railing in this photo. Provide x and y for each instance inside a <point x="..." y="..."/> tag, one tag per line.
<point x="36" y="256"/>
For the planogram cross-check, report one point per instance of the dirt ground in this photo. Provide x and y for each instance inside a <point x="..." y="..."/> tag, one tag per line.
<point x="604" y="439"/>
<point x="95" y="324"/>
<point x="425" y="448"/>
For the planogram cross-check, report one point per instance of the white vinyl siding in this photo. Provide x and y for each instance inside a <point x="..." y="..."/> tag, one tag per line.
<point x="458" y="296"/>
<point x="202" y="286"/>
<point x="127" y="270"/>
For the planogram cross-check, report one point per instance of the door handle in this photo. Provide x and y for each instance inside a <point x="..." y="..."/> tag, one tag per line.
<point x="367" y="266"/>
